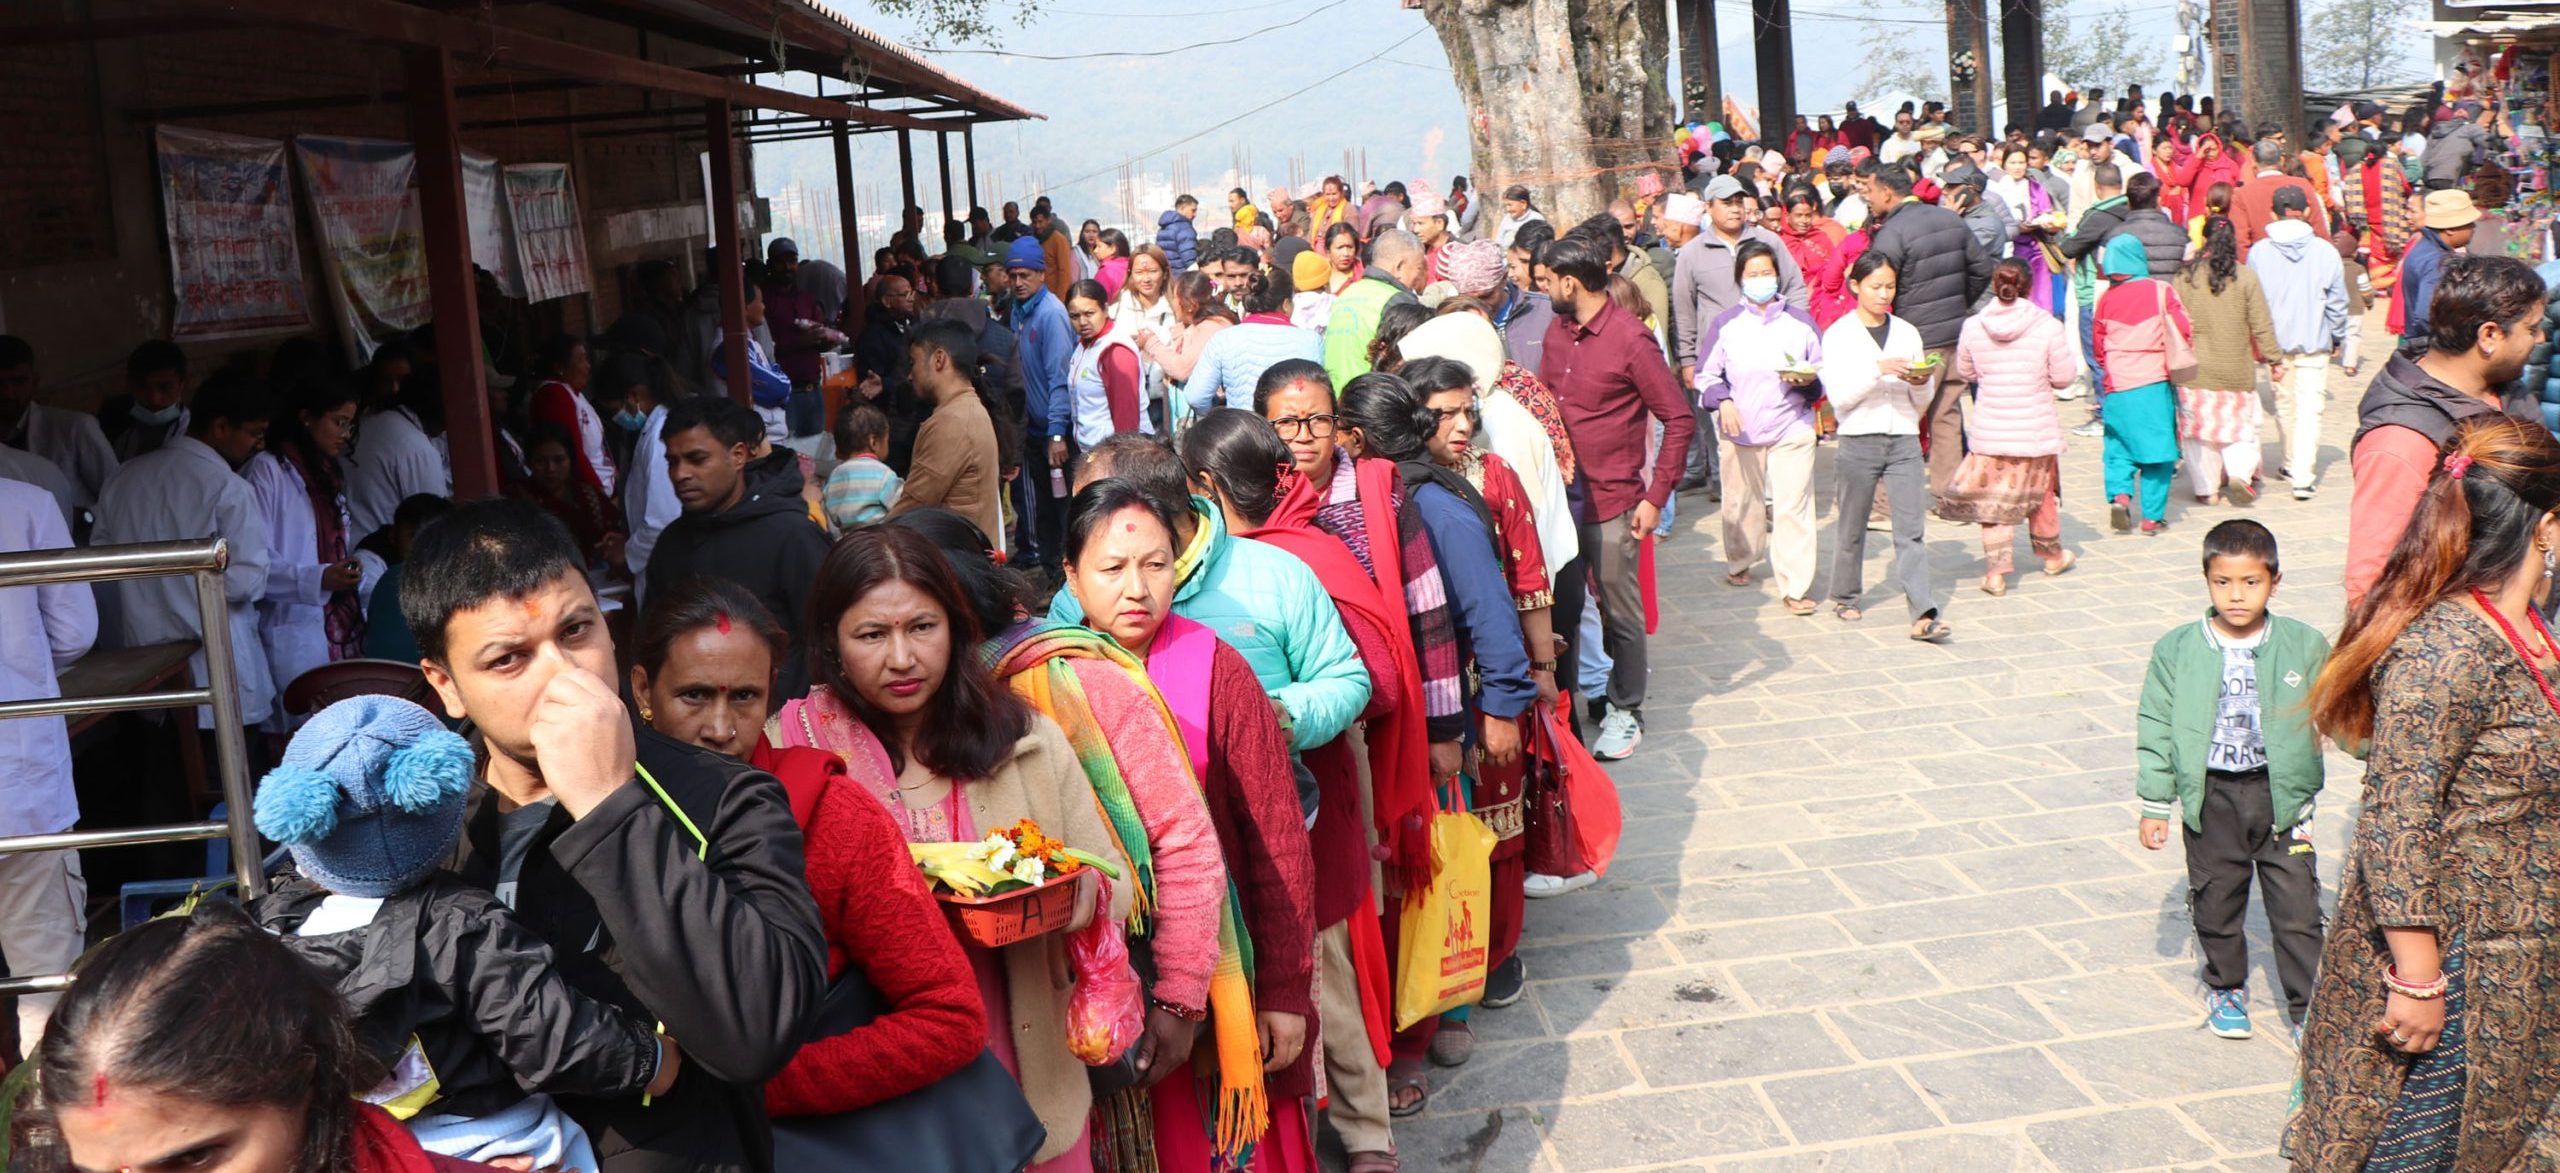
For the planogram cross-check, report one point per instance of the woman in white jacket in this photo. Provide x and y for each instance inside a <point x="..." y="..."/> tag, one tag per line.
<point x="1872" y="372"/>
<point x="310" y="612"/>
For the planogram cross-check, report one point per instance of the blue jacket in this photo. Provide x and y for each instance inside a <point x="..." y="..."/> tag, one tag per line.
<point x="2418" y="272"/>
<point x="1480" y="595"/>
<point x="2306" y="286"/>
<point x="1179" y="240"/>
<point x="765" y="381"/>
<point x="1269" y="606"/>
<point x="1043" y="344"/>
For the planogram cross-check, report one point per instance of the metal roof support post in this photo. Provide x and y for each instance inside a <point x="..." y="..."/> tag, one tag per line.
<point x="942" y="151"/>
<point x="451" y="287"/>
<point x="1773" y="50"/>
<point x="724" y="239"/>
<point x="969" y="151"/>
<point x="906" y="176"/>
<point x="854" y="308"/>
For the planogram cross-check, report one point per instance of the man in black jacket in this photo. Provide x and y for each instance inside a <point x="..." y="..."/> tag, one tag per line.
<point x="744" y="519"/>
<point x="1939" y="270"/>
<point x="2164" y="241"/>
<point x="667" y="880"/>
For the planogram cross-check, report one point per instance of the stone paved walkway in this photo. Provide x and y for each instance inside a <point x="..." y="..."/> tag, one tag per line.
<point x="1879" y="905"/>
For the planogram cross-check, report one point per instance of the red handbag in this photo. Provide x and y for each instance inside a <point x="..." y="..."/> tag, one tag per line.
<point x="1578" y="806"/>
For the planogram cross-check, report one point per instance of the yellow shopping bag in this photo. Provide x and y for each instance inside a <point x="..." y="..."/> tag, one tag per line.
<point x="1447" y="925"/>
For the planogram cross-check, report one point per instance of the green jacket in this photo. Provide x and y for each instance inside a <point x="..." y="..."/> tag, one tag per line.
<point x="1354" y="325"/>
<point x="2181" y="696"/>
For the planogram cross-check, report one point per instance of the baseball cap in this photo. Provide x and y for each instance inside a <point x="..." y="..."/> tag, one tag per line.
<point x="1026" y="254"/>
<point x="1724" y="187"/>
<point x="783" y="246"/>
<point x="2097" y="134"/>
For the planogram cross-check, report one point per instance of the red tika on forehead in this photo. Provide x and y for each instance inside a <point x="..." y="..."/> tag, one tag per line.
<point x="720" y="620"/>
<point x="98" y="1092"/>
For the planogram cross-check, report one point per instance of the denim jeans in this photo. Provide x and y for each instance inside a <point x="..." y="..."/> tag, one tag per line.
<point x="806" y="410"/>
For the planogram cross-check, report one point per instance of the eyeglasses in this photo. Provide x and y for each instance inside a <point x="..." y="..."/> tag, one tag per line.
<point x="1474" y="414"/>
<point x="1318" y="426"/>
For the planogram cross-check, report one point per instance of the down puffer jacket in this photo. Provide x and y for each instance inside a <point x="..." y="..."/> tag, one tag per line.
<point x="1939" y="269"/>
<point x="1179" y="240"/>
<point x="2538" y="378"/>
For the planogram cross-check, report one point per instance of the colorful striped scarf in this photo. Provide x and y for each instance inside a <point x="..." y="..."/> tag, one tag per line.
<point x="1032" y="658"/>
<point x="1181" y="663"/>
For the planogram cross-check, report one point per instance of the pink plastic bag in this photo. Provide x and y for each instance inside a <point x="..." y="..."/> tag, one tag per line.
<point x="1108" y="1009"/>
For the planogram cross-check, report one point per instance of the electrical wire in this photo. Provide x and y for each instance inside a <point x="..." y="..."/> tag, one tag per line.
<point x="1205" y="131"/>
<point x="1119" y="53"/>
<point x="1045" y="10"/>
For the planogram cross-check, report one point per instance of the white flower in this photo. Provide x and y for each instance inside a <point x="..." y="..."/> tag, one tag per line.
<point x="1030" y="869"/>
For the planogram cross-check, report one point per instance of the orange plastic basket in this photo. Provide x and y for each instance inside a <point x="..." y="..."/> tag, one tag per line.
<point x="1019" y="915"/>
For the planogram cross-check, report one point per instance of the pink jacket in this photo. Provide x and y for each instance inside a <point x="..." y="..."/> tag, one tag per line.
<point x="2133" y="334"/>
<point x="2015" y="355"/>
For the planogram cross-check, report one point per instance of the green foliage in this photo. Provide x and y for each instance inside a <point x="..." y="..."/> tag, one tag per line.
<point x="2106" y="55"/>
<point x="957" y="22"/>
<point x="2360" y="44"/>
<point x="1902" y="58"/>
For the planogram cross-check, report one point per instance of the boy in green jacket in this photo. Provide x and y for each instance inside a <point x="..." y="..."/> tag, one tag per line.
<point x="2224" y="743"/>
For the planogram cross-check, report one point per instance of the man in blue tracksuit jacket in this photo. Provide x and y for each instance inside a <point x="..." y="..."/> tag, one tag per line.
<point x="1043" y="344"/>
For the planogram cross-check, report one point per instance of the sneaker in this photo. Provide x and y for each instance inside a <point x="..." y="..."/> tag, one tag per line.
<point x="2090" y="430"/>
<point x="2073" y="391"/>
<point x="2120" y="513"/>
<point x="1620" y="732"/>
<point x="2226" y="1012"/>
<point x="1539" y="886"/>
<point x="2305" y="492"/>
<point x="1506" y="983"/>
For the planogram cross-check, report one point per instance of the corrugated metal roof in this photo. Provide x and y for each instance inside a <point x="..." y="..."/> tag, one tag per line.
<point x="937" y="78"/>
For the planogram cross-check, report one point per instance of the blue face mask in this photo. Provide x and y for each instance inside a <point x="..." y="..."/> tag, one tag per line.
<point x="1760" y="290"/>
<point x="145" y="415"/>
<point x="631" y="420"/>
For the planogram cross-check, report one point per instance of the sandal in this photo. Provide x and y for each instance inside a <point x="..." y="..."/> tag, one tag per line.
<point x="1371" y="1162"/>
<point x="1739" y="578"/>
<point x="1929" y="630"/>
<point x="2069" y="560"/>
<point x="1995" y="585"/>
<point x="1799" y="607"/>
<point x="1407" y="1075"/>
<point x="1847" y="613"/>
<point x="1453" y="1044"/>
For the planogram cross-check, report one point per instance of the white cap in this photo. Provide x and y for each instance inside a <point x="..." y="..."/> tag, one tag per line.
<point x="1683" y="208"/>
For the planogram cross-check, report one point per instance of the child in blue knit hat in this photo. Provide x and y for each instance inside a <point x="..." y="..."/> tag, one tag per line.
<point x="459" y="1001"/>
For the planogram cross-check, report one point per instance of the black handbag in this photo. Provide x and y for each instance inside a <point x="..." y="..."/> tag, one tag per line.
<point x="973" y="1120"/>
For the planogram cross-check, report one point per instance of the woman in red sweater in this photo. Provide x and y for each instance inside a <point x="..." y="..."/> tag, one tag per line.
<point x="1119" y="558"/>
<point x="703" y="673"/>
<point x="561" y="399"/>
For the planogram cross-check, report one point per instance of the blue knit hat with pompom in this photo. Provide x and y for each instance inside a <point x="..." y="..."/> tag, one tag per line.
<point x="369" y="796"/>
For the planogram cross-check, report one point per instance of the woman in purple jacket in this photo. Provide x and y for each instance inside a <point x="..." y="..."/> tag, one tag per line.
<point x="1756" y="375"/>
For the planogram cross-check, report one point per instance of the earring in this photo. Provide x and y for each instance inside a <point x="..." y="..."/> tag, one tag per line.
<point x="2550" y="562"/>
<point x="644" y="709"/>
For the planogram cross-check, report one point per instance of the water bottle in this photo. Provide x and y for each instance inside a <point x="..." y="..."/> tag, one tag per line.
<point x="1057" y="482"/>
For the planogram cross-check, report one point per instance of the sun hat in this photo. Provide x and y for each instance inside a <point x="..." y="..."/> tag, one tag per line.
<point x="2451" y="208"/>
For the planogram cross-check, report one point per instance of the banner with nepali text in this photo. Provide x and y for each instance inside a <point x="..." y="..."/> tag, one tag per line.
<point x="551" y="246"/>
<point x="364" y="200"/>
<point x="227" y="207"/>
<point x="484" y="201"/>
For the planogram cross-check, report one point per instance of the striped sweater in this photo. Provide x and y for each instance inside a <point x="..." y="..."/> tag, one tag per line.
<point x="1426" y="596"/>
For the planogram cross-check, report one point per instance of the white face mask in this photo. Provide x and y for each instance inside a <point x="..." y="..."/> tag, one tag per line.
<point x="143" y="415"/>
<point x="1760" y="290"/>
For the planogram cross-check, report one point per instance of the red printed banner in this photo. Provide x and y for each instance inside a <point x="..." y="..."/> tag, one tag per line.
<point x="551" y="246"/>
<point x="364" y="199"/>
<point x="234" y="268"/>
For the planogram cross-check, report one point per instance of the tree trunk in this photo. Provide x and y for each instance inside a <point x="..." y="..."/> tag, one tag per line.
<point x="1565" y="97"/>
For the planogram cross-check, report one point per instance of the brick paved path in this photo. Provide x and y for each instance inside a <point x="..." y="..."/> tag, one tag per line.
<point x="1879" y="904"/>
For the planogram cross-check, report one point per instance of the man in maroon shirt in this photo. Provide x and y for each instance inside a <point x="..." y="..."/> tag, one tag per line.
<point x="1609" y="375"/>
<point x="801" y="333"/>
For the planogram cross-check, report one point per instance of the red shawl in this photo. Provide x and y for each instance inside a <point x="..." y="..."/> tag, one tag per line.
<point x="1399" y="747"/>
<point x="383" y="1146"/>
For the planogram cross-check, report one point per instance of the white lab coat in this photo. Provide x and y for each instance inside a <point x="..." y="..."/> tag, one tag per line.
<point x="391" y="461"/>
<point x="185" y="491"/>
<point x="43" y="474"/>
<point x="648" y="498"/>
<point x="48" y="627"/>
<point x="292" y="619"/>
<point x="73" y="443"/>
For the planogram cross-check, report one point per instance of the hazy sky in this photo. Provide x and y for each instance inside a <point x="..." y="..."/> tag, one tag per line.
<point x="1402" y="108"/>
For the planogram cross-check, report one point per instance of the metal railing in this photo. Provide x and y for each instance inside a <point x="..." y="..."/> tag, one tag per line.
<point x="205" y="560"/>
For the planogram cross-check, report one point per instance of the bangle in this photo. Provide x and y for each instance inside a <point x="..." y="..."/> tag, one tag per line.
<point x="2422" y="991"/>
<point x="1184" y="1013"/>
<point x="1542" y="665"/>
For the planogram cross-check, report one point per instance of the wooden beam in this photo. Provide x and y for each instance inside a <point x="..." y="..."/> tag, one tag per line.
<point x="338" y="101"/>
<point x="1773" y="51"/>
<point x="451" y="288"/>
<point x="942" y="151"/>
<point x="906" y="174"/>
<point x="724" y="238"/>
<point x="969" y="148"/>
<point x="408" y="24"/>
<point x="21" y="36"/>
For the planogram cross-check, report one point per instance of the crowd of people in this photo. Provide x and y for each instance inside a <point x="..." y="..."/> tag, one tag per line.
<point x="1234" y="559"/>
